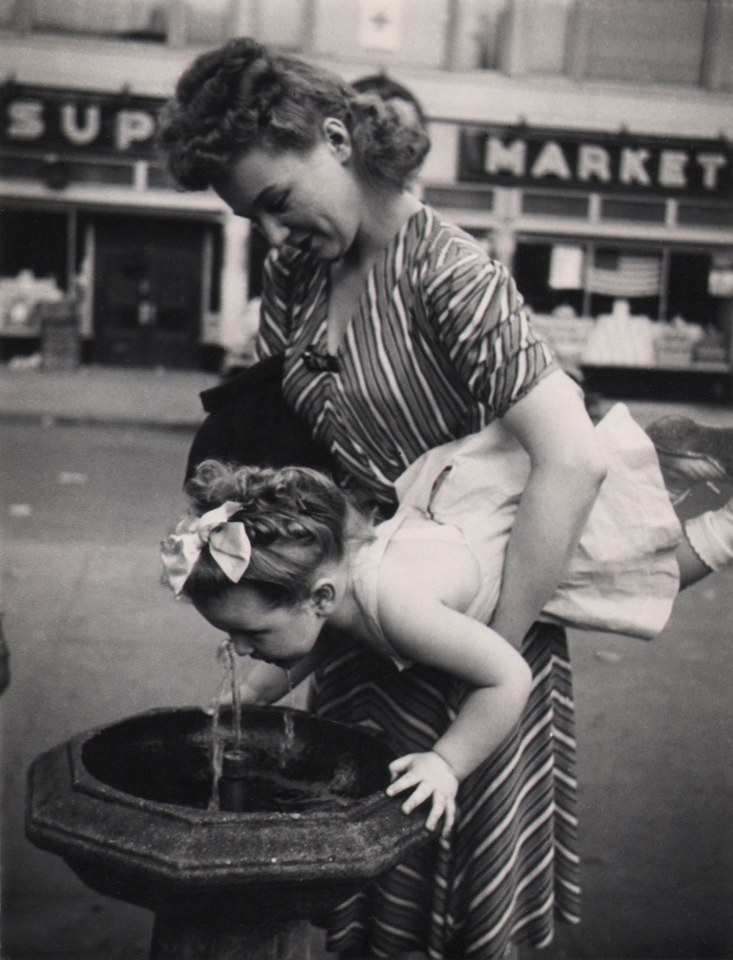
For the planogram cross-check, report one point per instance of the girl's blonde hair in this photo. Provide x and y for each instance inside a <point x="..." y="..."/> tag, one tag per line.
<point x="296" y="520"/>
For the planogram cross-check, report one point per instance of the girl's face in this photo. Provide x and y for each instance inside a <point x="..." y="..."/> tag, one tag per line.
<point x="310" y="200"/>
<point x="279" y="635"/>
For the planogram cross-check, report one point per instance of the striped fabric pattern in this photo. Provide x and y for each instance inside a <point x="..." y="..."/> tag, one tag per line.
<point x="511" y="867"/>
<point x="438" y="346"/>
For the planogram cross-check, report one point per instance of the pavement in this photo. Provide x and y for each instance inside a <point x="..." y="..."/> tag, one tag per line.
<point x="654" y="720"/>
<point x="111" y="395"/>
<point x="170" y="399"/>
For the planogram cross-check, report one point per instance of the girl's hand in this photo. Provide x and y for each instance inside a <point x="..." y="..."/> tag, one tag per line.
<point x="432" y="777"/>
<point x="248" y="696"/>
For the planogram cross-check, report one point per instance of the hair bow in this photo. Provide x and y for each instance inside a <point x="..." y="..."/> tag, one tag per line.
<point x="228" y="544"/>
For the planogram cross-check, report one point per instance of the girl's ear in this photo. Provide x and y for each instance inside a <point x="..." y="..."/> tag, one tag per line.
<point x="337" y="138"/>
<point x="323" y="597"/>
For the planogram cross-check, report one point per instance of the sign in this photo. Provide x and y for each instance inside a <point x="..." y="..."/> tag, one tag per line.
<point x="519" y="156"/>
<point x="74" y="122"/>
<point x="720" y="278"/>
<point x="379" y="24"/>
<point x="566" y="267"/>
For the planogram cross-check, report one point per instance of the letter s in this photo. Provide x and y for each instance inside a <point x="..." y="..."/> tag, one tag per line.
<point x="26" y="120"/>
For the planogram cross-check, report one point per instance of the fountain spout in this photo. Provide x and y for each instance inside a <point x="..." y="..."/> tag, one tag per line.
<point x="233" y="781"/>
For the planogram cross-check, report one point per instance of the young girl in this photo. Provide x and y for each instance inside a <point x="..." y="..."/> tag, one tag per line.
<point x="282" y="562"/>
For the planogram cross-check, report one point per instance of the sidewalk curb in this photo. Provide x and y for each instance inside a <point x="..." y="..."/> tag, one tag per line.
<point x="85" y="420"/>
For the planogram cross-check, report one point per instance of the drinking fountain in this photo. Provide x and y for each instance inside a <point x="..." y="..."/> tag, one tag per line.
<point x="298" y="822"/>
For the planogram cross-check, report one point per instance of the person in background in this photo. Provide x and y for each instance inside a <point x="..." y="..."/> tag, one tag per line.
<point x="398" y="334"/>
<point x="395" y="95"/>
<point x="404" y="103"/>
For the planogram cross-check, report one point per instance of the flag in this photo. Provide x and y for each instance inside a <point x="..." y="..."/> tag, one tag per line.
<point x="618" y="274"/>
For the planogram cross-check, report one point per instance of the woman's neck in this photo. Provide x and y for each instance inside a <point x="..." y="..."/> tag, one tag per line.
<point x="384" y="215"/>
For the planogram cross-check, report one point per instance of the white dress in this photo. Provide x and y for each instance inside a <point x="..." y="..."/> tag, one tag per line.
<point x="623" y="576"/>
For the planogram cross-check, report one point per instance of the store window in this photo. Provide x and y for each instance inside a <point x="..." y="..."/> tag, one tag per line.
<point x="57" y="173"/>
<point x="590" y="277"/>
<point x="34" y="240"/>
<point x="480" y="26"/>
<point x="541" y="28"/>
<point x="705" y="215"/>
<point x="177" y="22"/>
<point x="144" y="20"/>
<point x="635" y="211"/>
<point x="692" y="292"/>
<point x="7" y="14"/>
<point x="635" y="305"/>
<point x="459" y="198"/>
<point x="282" y="23"/>
<point x="33" y="267"/>
<point x="146" y="289"/>
<point x="207" y="22"/>
<point x="538" y="272"/>
<point x="554" y="204"/>
<point x="401" y="32"/>
<point x="258" y="247"/>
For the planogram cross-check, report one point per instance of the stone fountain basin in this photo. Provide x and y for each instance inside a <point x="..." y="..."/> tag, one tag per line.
<point x="125" y="805"/>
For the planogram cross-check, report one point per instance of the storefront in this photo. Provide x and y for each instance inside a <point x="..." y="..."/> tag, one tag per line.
<point x="91" y="219"/>
<point x="621" y="245"/>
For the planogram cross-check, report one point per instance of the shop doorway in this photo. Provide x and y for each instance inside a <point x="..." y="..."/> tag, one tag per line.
<point x="149" y="296"/>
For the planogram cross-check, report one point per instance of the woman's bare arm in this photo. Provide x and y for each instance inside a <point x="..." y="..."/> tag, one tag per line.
<point x="567" y="470"/>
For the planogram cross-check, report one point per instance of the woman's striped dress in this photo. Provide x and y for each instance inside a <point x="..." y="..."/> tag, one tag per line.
<point x="438" y="346"/>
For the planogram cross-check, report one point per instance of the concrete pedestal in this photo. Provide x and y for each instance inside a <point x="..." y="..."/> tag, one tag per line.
<point x="176" y="939"/>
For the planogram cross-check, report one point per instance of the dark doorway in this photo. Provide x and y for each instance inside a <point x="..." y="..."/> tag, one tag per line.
<point x="148" y="291"/>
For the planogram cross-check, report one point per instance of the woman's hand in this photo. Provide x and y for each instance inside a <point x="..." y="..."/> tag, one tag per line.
<point x="432" y="777"/>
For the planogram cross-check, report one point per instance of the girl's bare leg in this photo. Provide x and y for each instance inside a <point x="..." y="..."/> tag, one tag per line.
<point x="691" y="566"/>
<point x="710" y="536"/>
<point x="707" y="544"/>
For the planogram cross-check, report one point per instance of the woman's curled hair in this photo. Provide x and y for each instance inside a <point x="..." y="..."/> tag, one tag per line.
<point x="296" y="519"/>
<point x="241" y="96"/>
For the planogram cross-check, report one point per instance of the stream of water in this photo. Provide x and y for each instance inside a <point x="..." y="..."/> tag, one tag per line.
<point x="288" y="741"/>
<point x="221" y="735"/>
<point x="224" y="737"/>
<point x="271" y="790"/>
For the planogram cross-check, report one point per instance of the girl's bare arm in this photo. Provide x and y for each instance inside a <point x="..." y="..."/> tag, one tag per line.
<point x="423" y="629"/>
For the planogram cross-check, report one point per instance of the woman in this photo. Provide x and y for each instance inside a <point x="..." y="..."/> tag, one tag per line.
<point x="399" y="335"/>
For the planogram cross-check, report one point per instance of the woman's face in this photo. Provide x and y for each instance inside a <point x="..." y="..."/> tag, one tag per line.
<point x="279" y="635"/>
<point x="310" y="200"/>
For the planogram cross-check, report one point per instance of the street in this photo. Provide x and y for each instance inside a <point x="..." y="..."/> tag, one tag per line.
<point x="94" y="637"/>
